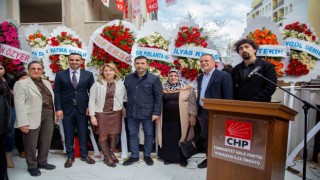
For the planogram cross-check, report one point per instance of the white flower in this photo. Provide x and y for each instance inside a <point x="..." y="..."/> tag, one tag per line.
<point x="42" y="43"/>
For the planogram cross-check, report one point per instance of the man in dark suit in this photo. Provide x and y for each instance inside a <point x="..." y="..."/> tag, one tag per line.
<point x="253" y="88"/>
<point x="71" y="88"/>
<point x="213" y="83"/>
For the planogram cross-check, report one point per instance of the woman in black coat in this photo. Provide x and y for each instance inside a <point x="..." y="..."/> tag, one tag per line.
<point x="5" y="101"/>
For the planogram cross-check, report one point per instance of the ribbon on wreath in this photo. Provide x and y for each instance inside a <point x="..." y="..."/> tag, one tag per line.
<point x="110" y="48"/>
<point x="15" y="53"/>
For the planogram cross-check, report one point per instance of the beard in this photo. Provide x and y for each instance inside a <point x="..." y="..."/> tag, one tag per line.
<point x="246" y="56"/>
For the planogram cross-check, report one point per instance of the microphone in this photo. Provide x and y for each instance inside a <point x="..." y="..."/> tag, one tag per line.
<point x="254" y="71"/>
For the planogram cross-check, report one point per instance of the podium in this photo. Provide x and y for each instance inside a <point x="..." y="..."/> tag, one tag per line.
<point x="247" y="140"/>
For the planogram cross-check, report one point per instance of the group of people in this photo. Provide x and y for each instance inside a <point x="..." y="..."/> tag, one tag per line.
<point x="173" y="107"/>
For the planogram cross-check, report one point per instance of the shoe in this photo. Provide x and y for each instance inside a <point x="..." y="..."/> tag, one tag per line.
<point x="109" y="162"/>
<point x="22" y="154"/>
<point x="46" y="166"/>
<point x="166" y="162"/>
<point x="203" y="164"/>
<point x="130" y="161"/>
<point x="34" y="172"/>
<point x="184" y="163"/>
<point x="113" y="156"/>
<point x="69" y="162"/>
<point x="148" y="160"/>
<point x="88" y="160"/>
<point x="10" y="163"/>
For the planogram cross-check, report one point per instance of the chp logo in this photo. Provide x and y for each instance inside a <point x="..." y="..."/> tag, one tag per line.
<point x="238" y="134"/>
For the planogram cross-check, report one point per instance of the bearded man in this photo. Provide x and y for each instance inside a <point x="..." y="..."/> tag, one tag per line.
<point x="248" y="86"/>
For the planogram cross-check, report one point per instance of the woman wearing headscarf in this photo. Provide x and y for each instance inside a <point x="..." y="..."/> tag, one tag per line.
<point x="178" y="113"/>
<point x="105" y="109"/>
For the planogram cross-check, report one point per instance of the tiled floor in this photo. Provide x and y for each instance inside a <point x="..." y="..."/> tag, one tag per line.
<point x="139" y="171"/>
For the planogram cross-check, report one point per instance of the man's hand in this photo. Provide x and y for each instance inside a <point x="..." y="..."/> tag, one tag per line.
<point x="87" y="112"/>
<point x="93" y="121"/>
<point x="59" y="114"/>
<point x="25" y="129"/>
<point x="192" y="120"/>
<point x="154" y="117"/>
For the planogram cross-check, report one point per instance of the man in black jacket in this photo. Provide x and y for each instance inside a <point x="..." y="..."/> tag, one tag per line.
<point x="253" y="87"/>
<point x="144" y="92"/>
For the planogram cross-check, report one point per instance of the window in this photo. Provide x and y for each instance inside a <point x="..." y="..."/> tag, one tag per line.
<point x="290" y="8"/>
<point x="286" y="10"/>
<point x="33" y="11"/>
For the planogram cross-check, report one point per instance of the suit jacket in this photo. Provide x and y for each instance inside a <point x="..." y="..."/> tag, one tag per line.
<point x="219" y="87"/>
<point x="65" y="93"/>
<point x="28" y="102"/>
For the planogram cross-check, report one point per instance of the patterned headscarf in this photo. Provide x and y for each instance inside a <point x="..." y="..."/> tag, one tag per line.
<point x="178" y="86"/>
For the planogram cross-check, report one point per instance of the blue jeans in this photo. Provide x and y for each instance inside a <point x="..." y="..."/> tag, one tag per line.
<point x="133" y="126"/>
<point x="9" y="142"/>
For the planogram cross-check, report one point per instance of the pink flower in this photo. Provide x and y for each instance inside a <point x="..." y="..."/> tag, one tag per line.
<point x="5" y="23"/>
<point x="14" y="34"/>
<point x="5" y="26"/>
<point x="16" y="62"/>
<point x="12" y="29"/>
<point x="6" y="34"/>
<point x="2" y="39"/>
<point x="20" y="68"/>
<point x="9" y="39"/>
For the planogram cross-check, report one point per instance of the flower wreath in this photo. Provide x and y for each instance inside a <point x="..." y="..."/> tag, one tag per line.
<point x="301" y="62"/>
<point x="9" y="36"/>
<point x="120" y="36"/>
<point x="60" y="62"/>
<point x="265" y="36"/>
<point x="61" y="43"/>
<point x="157" y="41"/>
<point x="190" y="36"/>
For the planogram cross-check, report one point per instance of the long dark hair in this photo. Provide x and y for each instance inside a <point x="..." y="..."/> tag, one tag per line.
<point x="4" y="88"/>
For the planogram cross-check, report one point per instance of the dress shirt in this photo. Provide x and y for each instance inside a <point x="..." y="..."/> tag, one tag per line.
<point x="204" y="84"/>
<point x="77" y="74"/>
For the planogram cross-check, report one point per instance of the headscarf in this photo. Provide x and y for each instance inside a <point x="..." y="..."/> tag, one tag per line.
<point x="178" y="86"/>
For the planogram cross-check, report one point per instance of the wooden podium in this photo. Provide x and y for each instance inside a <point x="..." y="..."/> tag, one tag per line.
<point x="247" y="140"/>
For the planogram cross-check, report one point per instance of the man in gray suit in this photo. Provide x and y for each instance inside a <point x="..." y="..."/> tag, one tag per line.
<point x="34" y="103"/>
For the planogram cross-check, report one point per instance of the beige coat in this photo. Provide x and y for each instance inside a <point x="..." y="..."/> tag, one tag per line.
<point x="98" y="95"/>
<point x="187" y="107"/>
<point x="28" y="103"/>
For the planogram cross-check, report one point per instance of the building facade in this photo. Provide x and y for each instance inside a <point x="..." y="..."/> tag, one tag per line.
<point x="278" y="10"/>
<point x="82" y="16"/>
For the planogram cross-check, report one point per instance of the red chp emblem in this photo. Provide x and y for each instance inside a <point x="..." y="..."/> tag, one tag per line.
<point x="238" y="134"/>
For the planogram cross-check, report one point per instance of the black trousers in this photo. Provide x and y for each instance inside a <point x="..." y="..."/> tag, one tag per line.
<point x="3" y="159"/>
<point x="204" y="124"/>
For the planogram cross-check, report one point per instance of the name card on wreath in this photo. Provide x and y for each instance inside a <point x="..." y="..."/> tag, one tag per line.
<point x="39" y="52"/>
<point x="308" y="47"/>
<point x="153" y="53"/>
<point x="66" y="50"/>
<point x="272" y="51"/>
<point x="110" y="48"/>
<point x="14" y="53"/>
<point x="194" y="52"/>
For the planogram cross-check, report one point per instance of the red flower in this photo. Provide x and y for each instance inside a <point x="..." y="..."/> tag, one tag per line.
<point x="64" y="34"/>
<point x="119" y="36"/>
